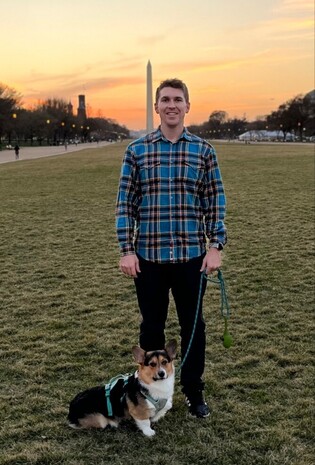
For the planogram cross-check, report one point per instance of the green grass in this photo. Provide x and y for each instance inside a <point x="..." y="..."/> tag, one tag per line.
<point x="68" y="317"/>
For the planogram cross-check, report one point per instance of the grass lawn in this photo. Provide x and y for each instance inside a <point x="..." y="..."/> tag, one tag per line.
<point x="68" y="317"/>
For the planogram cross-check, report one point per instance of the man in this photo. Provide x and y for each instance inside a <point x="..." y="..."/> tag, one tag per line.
<point x="170" y="227"/>
<point x="17" y="151"/>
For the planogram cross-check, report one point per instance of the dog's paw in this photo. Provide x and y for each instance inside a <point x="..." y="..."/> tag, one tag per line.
<point x="149" y="432"/>
<point x="145" y="427"/>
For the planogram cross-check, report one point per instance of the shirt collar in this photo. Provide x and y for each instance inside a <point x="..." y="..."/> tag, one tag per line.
<point x="158" y="135"/>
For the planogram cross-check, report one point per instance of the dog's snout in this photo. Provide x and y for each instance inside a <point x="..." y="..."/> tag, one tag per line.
<point x="161" y="373"/>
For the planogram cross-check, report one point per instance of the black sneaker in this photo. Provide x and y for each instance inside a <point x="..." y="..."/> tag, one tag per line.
<point x="197" y="405"/>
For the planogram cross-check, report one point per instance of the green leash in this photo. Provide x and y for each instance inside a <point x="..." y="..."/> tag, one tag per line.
<point x="225" y="308"/>
<point x="225" y="312"/>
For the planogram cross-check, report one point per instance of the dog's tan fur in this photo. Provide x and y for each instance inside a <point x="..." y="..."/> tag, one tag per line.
<point x="97" y="420"/>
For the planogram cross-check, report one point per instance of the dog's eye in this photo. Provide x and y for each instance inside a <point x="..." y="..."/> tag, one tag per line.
<point x="152" y="364"/>
<point x="165" y="362"/>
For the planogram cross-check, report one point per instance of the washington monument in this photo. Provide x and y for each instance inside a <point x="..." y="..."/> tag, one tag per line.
<point x="149" y="99"/>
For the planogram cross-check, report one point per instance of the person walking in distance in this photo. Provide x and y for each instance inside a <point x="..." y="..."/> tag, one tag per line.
<point x="17" y="151"/>
<point x="170" y="227"/>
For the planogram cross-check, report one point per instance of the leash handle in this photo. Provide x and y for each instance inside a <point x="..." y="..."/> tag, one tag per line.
<point x="225" y="308"/>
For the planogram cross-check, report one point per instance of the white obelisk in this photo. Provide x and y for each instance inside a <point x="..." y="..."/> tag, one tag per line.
<point x="149" y="99"/>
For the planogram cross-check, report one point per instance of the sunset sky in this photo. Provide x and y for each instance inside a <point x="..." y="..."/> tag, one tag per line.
<point x="242" y="56"/>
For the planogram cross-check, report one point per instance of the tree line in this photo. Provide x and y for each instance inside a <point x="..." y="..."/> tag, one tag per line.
<point x="296" y="116"/>
<point x="50" y="122"/>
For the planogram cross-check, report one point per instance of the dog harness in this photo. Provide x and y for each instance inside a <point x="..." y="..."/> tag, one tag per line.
<point x="158" y="404"/>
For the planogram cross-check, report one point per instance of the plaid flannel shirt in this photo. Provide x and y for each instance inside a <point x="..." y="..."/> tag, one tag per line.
<point x="170" y="199"/>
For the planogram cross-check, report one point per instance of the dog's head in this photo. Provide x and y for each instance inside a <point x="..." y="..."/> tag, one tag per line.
<point x="155" y="365"/>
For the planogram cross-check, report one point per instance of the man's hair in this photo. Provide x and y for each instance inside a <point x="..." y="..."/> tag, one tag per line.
<point x="176" y="84"/>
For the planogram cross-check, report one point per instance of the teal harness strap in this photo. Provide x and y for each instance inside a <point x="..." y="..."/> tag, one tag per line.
<point x="109" y="386"/>
<point x="159" y="404"/>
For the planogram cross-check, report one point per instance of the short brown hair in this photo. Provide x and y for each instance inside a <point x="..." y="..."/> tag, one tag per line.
<point x="176" y="84"/>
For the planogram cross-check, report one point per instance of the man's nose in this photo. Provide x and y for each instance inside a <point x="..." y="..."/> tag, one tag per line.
<point x="171" y="103"/>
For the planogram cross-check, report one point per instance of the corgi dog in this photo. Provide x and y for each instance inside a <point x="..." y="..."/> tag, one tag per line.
<point x="145" y="396"/>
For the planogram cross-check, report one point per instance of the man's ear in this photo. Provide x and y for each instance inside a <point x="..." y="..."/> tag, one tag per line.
<point x="156" y="108"/>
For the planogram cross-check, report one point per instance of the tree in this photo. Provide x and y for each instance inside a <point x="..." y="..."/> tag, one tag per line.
<point x="218" y="117"/>
<point x="55" y="120"/>
<point x="216" y="121"/>
<point x="309" y="107"/>
<point x="10" y="101"/>
<point x="291" y="116"/>
<point x="234" y="127"/>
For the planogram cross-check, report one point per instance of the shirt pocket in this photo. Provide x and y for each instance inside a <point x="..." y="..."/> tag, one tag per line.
<point x="191" y="174"/>
<point x="150" y="176"/>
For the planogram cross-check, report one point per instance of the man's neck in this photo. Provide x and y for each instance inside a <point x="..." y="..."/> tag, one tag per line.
<point x="172" y="133"/>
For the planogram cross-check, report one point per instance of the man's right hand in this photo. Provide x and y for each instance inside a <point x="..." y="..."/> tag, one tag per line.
<point x="129" y="265"/>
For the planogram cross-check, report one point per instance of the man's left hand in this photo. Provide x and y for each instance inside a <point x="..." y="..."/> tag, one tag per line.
<point x="212" y="261"/>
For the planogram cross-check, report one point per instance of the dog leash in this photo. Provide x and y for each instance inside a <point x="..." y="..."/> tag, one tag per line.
<point x="225" y="312"/>
<point x="225" y="308"/>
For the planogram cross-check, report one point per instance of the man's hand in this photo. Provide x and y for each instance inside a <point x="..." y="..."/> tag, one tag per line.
<point x="129" y="265"/>
<point x="212" y="261"/>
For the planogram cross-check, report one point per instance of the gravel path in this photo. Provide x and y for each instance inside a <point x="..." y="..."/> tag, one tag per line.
<point x="27" y="153"/>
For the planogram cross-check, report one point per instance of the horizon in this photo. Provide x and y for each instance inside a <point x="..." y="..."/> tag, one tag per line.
<point x="243" y="58"/>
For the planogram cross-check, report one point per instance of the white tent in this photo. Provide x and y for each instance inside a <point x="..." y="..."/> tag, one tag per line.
<point x="264" y="135"/>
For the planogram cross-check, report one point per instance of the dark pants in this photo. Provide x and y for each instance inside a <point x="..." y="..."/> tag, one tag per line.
<point x="153" y="285"/>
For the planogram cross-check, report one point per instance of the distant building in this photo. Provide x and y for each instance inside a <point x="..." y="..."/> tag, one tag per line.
<point x="81" y="109"/>
<point x="70" y="109"/>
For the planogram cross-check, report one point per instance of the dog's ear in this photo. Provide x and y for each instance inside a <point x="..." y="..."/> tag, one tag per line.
<point x="138" y="354"/>
<point x="171" y="348"/>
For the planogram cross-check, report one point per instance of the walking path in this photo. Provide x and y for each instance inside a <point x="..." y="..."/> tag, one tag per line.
<point x="27" y="153"/>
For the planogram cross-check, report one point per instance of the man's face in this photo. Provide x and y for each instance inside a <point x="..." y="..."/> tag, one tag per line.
<point x="172" y="107"/>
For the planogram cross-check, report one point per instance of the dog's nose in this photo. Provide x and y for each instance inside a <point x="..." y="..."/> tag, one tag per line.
<point x="161" y="373"/>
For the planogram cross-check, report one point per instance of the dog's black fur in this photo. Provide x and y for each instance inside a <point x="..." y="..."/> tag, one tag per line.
<point x="93" y="400"/>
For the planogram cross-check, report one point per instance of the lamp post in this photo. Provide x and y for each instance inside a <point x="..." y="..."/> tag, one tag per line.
<point x="280" y="129"/>
<point x="75" y="136"/>
<point x="48" y="123"/>
<point x="63" y="124"/>
<point x="14" y="116"/>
